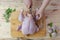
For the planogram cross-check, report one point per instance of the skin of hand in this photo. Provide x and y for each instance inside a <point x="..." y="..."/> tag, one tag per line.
<point x="28" y="3"/>
<point x="42" y="8"/>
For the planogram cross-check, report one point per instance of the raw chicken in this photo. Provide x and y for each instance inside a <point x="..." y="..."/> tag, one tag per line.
<point x="21" y="16"/>
<point x="29" y="26"/>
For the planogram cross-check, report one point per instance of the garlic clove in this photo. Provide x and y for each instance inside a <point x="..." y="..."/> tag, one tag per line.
<point x="54" y="34"/>
<point x="54" y="28"/>
<point x="49" y="31"/>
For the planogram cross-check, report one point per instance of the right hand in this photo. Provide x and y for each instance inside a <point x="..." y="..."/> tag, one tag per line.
<point x="38" y="14"/>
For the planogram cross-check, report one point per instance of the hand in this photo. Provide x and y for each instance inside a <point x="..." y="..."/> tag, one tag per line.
<point x="38" y="14"/>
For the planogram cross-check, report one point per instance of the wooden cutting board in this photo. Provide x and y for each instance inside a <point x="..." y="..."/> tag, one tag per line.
<point x="15" y="23"/>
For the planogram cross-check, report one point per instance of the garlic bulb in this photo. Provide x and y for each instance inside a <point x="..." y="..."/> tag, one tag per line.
<point x="52" y="31"/>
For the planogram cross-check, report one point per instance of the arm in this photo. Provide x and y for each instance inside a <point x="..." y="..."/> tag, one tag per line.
<point x="40" y="11"/>
<point x="28" y="3"/>
<point x="44" y="5"/>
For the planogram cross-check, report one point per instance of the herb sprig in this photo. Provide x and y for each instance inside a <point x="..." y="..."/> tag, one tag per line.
<point x="50" y="24"/>
<point x="8" y="13"/>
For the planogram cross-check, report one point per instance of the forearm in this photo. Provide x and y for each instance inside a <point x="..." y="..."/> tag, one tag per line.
<point x="28" y="3"/>
<point x="44" y="5"/>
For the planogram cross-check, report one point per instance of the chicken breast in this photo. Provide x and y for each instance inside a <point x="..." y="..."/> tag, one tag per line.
<point x="29" y="26"/>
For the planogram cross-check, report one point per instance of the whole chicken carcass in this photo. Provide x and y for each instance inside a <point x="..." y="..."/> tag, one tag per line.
<point x="29" y="26"/>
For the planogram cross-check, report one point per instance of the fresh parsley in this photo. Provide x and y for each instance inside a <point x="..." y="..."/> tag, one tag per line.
<point x="50" y="24"/>
<point x="8" y="13"/>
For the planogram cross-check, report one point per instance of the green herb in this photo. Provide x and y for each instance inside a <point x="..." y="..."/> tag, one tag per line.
<point x="50" y="24"/>
<point x="14" y="10"/>
<point x="56" y="31"/>
<point x="50" y="35"/>
<point x="8" y="13"/>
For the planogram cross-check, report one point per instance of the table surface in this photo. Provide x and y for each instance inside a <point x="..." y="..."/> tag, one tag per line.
<point x="52" y="11"/>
